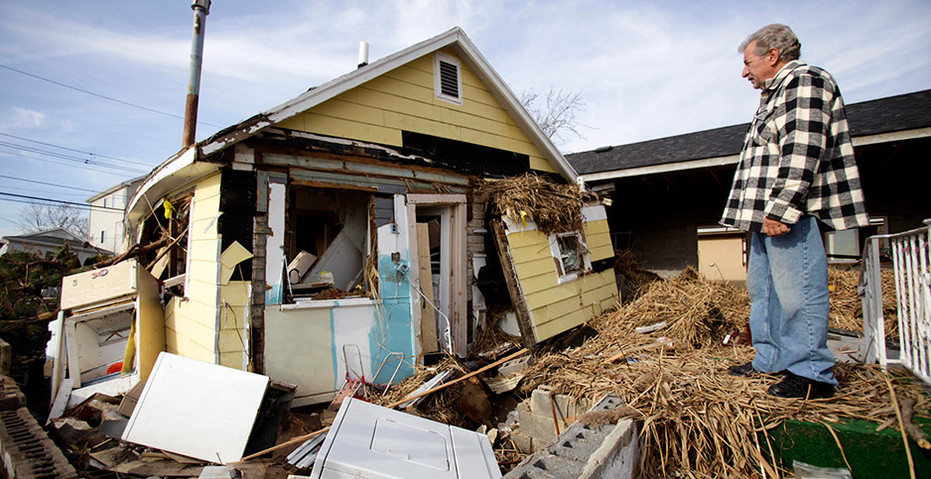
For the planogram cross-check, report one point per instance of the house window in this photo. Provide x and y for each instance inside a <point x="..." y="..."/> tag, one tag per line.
<point x="327" y="241"/>
<point x="103" y="236"/>
<point x="104" y="204"/>
<point x="447" y="80"/>
<point x="570" y="254"/>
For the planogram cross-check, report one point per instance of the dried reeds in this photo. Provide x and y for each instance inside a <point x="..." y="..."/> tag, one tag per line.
<point x="554" y="207"/>
<point x="846" y="305"/>
<point x="699" y="421"/>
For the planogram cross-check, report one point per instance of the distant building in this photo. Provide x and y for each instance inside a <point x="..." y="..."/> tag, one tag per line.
<point x="45" y="243"/>
<point x="106" y="215"/>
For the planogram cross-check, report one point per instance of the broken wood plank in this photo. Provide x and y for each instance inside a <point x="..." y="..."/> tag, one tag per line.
<point x="513" y="284"/>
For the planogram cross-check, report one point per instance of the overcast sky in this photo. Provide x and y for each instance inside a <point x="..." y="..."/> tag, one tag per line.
<point x="104" y="82"/>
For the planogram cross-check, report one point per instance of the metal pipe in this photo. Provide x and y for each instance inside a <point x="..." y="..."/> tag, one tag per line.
<point x="201" y="10"/>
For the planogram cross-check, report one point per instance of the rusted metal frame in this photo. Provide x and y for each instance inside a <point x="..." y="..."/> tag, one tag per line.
<point x="513" y="284"/>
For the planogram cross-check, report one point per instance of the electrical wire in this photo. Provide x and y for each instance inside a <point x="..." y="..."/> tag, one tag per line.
<point x="74" y="150"/>
<point x="47" y="183"/>
<point x="98" y="95"/>
<point x="61" y="156"/>
<point x="52" y="200"/>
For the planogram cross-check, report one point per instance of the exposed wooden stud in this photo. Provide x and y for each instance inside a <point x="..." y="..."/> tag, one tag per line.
<point x="510" y="278"/>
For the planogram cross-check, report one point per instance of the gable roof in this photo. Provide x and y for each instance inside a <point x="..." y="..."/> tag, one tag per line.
<point x="454" y="39"/>
<point x="908" y="116"/>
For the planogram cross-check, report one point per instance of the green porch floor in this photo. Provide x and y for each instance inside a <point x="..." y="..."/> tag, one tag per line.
<point x="870" y="453"/>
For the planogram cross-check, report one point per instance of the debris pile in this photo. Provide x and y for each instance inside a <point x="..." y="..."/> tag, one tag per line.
<point x="846" y="305"/>
<point x="662" y="353"/>
<point x="554" y="207"/>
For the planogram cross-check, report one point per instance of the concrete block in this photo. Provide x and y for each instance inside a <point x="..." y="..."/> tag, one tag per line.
<point x="26" y="450"/>
<point x="10" y="395"/>
<point x="566" y="406"/>
<point x="581" y="451"/>
<point x="539" y="427"/>
<point x="540" y="399"/>
<point x="618" y="454"/>
<point x="523" y="442"/>
<point x="514" y="366"/>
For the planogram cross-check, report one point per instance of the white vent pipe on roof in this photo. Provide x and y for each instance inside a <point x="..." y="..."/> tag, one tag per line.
<point x="363" y="53"/>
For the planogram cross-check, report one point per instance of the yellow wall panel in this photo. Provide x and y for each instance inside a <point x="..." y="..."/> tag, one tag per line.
<point x="404" y="99"/>
<point x="343" y="128"/>
<point x="193" y="321"/>
<point x="552" y="328"/>
<point x="542" y="265"/>
<point x="537" y="162"/>
<point x="539" y="283"/>
<point x="537" y="299"/>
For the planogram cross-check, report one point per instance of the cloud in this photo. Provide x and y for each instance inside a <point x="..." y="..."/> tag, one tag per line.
<point x="22" y="118"/>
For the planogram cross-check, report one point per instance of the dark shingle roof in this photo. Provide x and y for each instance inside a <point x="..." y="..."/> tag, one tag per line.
<point x="885" y="115"/>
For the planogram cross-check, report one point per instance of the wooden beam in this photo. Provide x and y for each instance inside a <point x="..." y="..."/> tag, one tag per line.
<point x="510" y="278"/>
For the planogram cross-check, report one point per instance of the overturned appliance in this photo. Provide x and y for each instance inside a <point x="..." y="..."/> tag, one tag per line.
<point x="369" y="441"/>
<point x="106" y="338"/>
<point x="207" y="411"/>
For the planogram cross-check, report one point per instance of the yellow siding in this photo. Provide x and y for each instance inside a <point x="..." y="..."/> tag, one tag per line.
<point x="190" y="325"/>
<point x="598" y="239"/>
<point x="235" y="304"/>
<point x="404" y="99"/>
<point x="558" y="307"/>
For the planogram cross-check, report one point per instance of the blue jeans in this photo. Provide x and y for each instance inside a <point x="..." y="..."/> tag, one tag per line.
<point x="787" y="279"/>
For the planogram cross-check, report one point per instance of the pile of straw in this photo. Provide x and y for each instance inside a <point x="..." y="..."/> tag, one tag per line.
<point x="698" y="421"/>
<point x="846" y="305"/>
<point x="638" y="278"/>
<point x="554" y="207"/>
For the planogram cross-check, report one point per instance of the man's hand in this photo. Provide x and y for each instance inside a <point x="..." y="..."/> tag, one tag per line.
<point x="774" y="228"/>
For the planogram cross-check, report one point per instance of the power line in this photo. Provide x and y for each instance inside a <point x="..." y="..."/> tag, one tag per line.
<point x="61" y="156"/>
<point x="74" y="150"/>
<point x="34" y="190"/>
<point x="121" y="175"/>
<point x="63" y="202"/>
<point x="47" y="183"/>
<point x="102" y="96"/>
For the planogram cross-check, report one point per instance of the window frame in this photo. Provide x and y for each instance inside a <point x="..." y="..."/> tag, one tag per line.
<point x="559" y="256"/>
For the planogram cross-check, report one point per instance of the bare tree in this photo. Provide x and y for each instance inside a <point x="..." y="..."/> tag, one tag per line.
<point x="555" y="112"/>
<point x="39" y="217"/>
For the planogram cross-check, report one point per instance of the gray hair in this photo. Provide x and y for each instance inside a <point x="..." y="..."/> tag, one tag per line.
<point x="777" y="36"/>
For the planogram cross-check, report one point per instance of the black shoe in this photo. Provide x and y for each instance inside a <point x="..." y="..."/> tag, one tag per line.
<point x="745" y="370"/>
<point x="794" y="386"/>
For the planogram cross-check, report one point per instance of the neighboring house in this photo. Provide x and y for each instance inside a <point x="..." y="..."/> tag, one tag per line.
<point x="106" y="215"/>
<point x="369" y="183"/>
<point x="45" y="243"/>
<point x="668" y="193"/>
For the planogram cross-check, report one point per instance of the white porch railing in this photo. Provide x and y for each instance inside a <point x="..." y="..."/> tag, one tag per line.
<point x="911" y="260"/>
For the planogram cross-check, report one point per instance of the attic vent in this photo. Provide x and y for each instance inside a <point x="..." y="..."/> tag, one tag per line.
<point x="447" y="81"/>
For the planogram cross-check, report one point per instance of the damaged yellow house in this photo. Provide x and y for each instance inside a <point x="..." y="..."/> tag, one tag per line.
<point x="338" y="235"/>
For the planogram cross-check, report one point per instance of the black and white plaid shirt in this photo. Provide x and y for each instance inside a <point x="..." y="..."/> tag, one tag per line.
<point x="797" y="157"/>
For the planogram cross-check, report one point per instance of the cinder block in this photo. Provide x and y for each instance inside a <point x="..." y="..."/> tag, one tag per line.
<point x="539" y="427"/>
<point x="10" y="395"/>
<point x="26" y="450"/>
<point x="523" y="442"/>
<point x="566" y="406"/>
<point x="540" y="400"/>
<point x="580" y="451"/>
<point x="514" y="365"/>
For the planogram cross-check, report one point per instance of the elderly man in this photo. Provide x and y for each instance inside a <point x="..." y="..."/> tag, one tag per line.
<point x="796" y="168"/>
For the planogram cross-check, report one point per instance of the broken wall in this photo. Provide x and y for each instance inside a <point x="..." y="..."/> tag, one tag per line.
<point x="191" y="321"/>
<point x="557" y="305"/>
